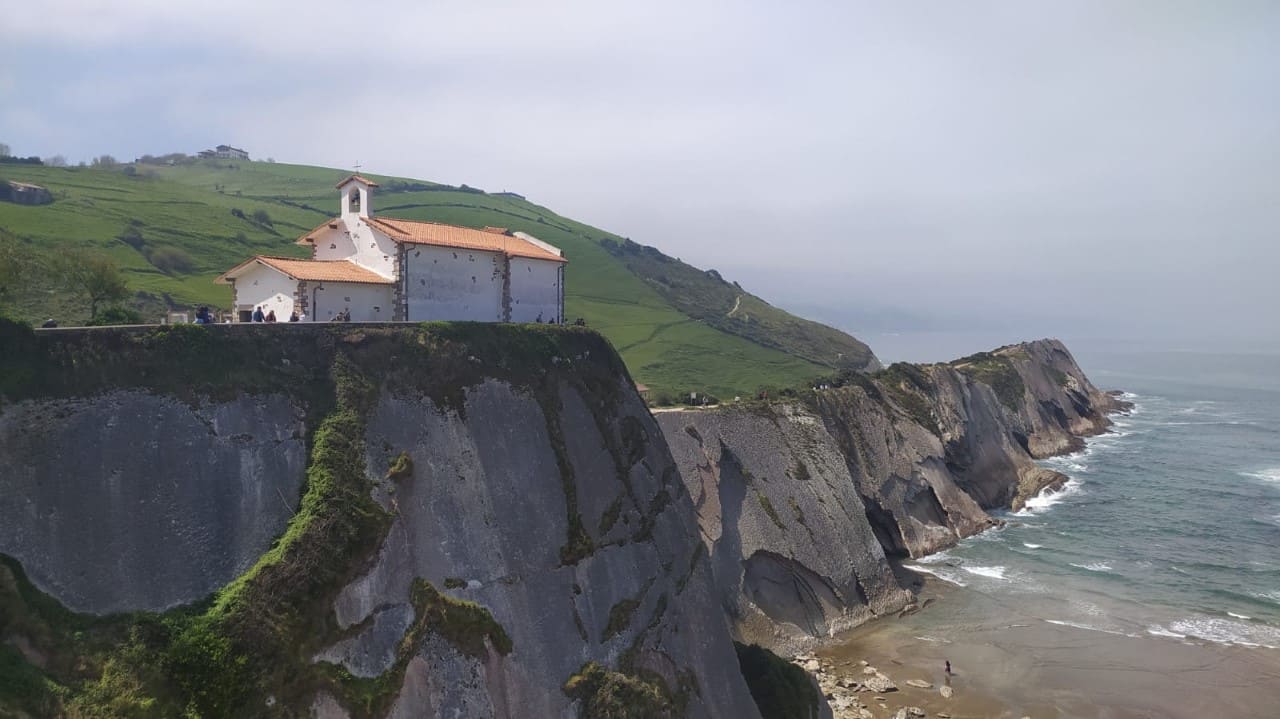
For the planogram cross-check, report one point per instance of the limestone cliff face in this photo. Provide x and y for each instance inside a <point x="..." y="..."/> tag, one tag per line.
<point x="484" y="511"/>
<point x="131" y="500"/>
<point x="790" y="496"/>
<point x="933" y="447"/>
<point x="479" y="521"/>
<point x="791" y="550"/>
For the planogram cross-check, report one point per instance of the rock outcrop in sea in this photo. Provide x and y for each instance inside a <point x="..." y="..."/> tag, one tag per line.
<point x="789" y="493"/>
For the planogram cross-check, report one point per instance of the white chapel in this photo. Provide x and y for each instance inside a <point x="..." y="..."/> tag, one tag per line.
<point x="377" y="269"/>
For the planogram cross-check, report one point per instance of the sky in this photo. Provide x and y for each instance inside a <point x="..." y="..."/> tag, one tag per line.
<point x="1020" y="169"/>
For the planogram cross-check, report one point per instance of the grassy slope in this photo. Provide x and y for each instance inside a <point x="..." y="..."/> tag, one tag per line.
<point x="190" y="207"/>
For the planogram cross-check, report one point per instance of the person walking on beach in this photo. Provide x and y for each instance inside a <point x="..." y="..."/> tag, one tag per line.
<point x="948" y="662"/>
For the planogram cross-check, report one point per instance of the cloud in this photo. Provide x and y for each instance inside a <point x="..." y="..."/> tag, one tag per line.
<point x="1101" y="164"/>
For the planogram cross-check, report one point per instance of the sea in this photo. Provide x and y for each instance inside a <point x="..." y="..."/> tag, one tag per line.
<point x="1166" y="537"/>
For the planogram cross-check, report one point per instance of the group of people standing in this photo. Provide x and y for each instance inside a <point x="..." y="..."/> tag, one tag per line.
<point x="270" y="316"/>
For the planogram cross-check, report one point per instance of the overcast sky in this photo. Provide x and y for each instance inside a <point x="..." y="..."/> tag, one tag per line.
<point x="1027" y="168"/>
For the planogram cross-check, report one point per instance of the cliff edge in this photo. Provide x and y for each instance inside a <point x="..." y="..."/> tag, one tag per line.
<point x="346" y="521"/>
<point x="803" y="502"/>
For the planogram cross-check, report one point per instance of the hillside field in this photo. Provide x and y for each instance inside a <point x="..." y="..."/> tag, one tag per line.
<point x="172" y="229"/>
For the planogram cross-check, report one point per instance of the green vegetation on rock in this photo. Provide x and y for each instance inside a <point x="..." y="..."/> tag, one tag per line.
<point x="466" y="625"/>
<point x="910" y="386"/>
<point x="996" y="370"/>
<point x="248" y="647"/>
<point x="401" y="467"/>
<point x="606" y="694"/>
<point x="781" y="689"/>
<point x="767" y="506"/>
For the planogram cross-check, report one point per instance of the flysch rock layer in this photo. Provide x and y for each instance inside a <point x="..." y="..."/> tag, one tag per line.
<point x="791" y="549"/>
<point x="928" y="474"/>
<point x="135" y="501"/>
<point x="790" y="497"/>
<point x="485" y="507"/>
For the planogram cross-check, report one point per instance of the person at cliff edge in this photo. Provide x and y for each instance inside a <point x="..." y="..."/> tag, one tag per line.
<point x="258" y="316"/>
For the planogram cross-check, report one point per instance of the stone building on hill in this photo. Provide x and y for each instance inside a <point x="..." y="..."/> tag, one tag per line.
<point x="24" y="193"/>
<point x="224" y="152"/>
<point x="382" y="269"/>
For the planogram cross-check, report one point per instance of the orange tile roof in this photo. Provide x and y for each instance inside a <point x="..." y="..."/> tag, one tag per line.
<point x="431" y="233"/>
<point x="310" y="270"/>
<point x="491" y="239"/>
<point x="360" y="178"/>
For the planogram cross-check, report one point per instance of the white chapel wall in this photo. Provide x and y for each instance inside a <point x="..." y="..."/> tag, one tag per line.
<point x="356" y="241"/>
<point x="535" y="290"/>
<point x="367" y="303"/>
<point x="262" y="286"/>
<point x="447" y="283"/>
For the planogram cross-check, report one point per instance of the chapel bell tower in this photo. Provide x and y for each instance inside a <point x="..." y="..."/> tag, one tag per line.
<point x="355" y="194"/>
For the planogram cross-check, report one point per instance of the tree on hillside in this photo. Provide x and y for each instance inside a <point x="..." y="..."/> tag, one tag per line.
<point x="4" y="150"/>
<point x="56" y="161"/>
<point x="105" y="161"/>
<point x="261" y="217"/>
<point x="95" y="278"/>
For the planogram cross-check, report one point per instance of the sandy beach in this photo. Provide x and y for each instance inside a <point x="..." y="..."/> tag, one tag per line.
<point x="1011" y="663"/>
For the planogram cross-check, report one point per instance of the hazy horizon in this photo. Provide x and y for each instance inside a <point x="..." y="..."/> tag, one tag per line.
<point x="1075" y="170"/>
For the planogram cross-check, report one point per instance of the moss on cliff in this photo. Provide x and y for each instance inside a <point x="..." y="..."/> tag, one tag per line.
<point x="780" y="689"/>
<point x="767" y="506"/>
<point x="606" y="694"/>
<point x="912" y="389"/>
<point x="246" y="651"/>
<point x="996" y="370"/>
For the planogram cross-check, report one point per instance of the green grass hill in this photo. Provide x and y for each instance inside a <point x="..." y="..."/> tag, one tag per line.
<point x="172" y="229"/>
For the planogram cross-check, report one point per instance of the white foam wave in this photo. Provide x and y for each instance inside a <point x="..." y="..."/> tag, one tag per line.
<point x="989" y="572"/>
<point x="944" y="575"/>
<point x="1047" y="498"/>
<point x="1128" y="396"/>
<point x="1271" y="474"/>
<point x="1270" y="596"/>
<point x="942" y="556"/>
<point x="1029" y="545"/>
<point x="936" y="640"/>
<point x="1093" y="566"/>
<point x="1239" y="616"/>
<point x="1159" y="631"/>
<point x="1226" y="631"/>
<point x="1089" y="627"/>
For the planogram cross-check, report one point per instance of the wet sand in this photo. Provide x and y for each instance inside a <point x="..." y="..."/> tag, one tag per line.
<point x="1011" y="663"/>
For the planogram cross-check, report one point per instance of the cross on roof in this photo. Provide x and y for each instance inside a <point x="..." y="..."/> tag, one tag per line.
<point x="358" y="166"/>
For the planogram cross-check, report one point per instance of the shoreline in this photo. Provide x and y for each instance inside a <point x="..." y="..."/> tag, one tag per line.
<point x="1009" y="663"/>
<point x="1014" y="655"/>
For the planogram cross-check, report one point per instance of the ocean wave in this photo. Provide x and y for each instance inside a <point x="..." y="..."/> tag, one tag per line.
<point x="1089" y="627"/>
<point x="1226" y="631"/>
<point x="942" y="574"/>
<point x="1239" y="616"/>
<point x="1269" y="596"/>
<point x="936" y="640"/>
<point x="989" y="572"/>
<point x="1029" y="545"/>
<point x="1271" y="474"/>
<point x="1048" y="497"/>
<point x="1093" y="566"/>
<point x="942" y="556"/>
<point x="1159" y="631"/>
<point x="1275" y="520"/>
